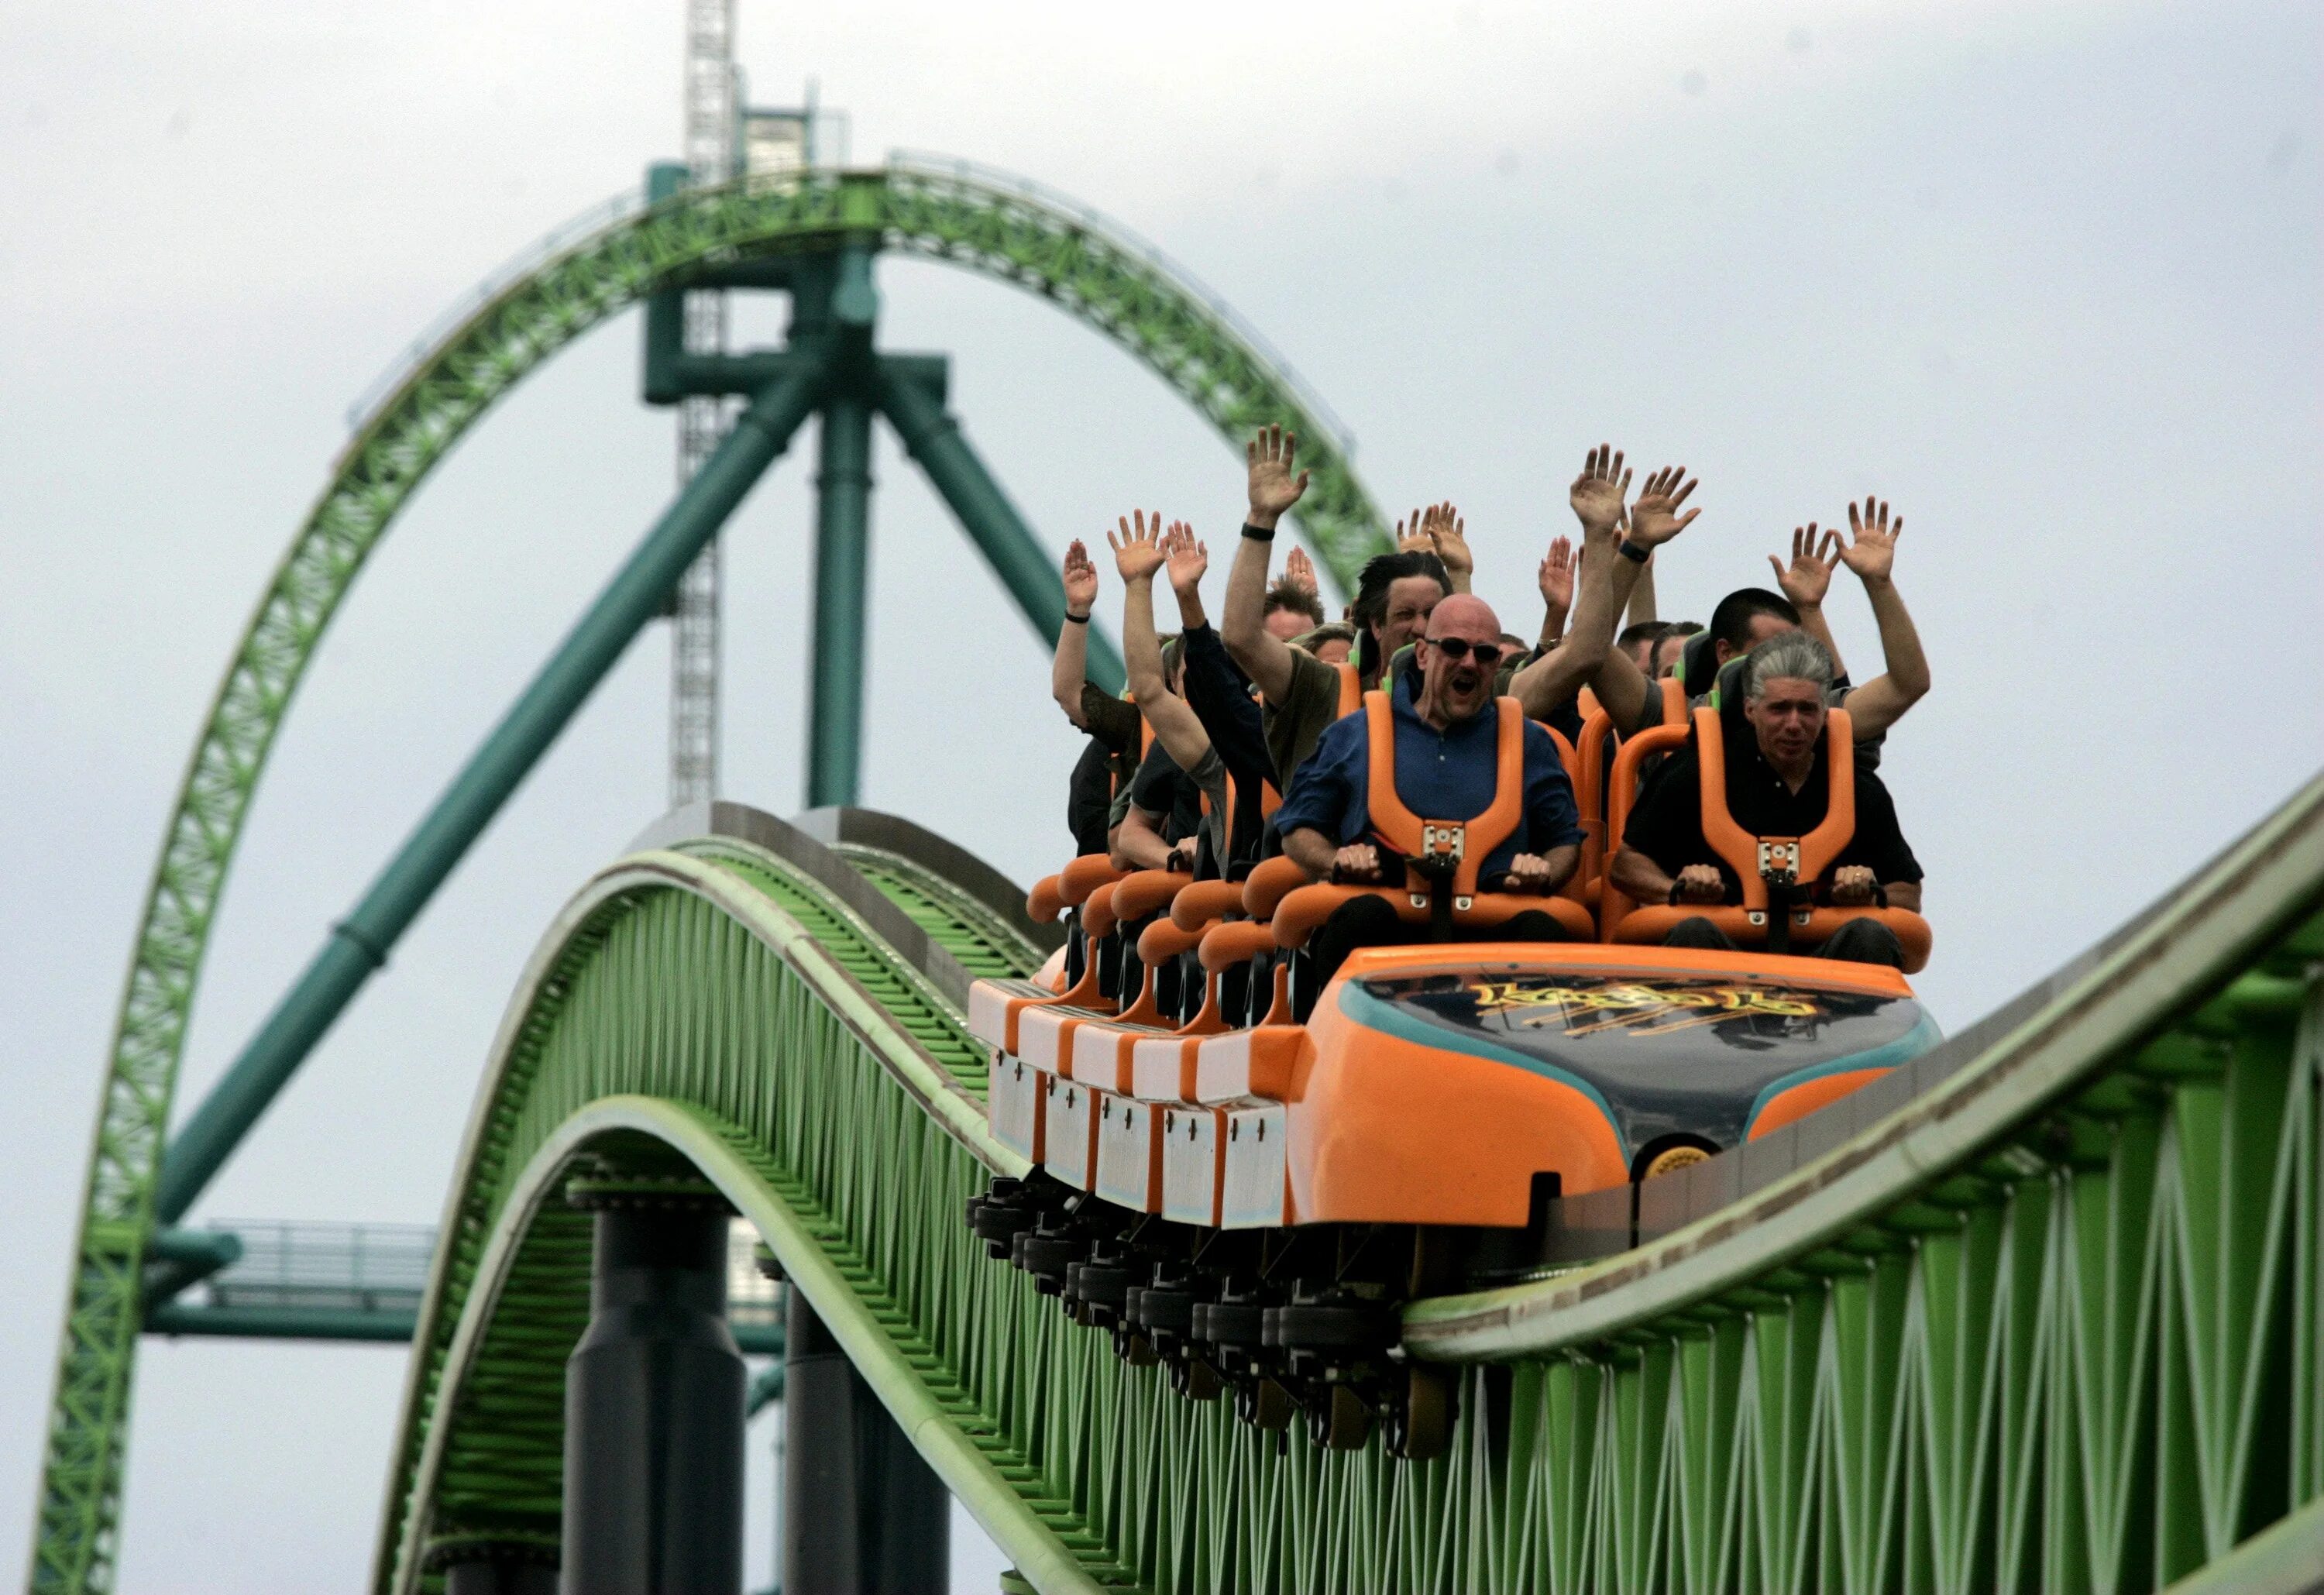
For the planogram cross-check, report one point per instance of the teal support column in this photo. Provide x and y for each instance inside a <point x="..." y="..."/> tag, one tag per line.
<point x="177" y="1259"/>
<point x="665" y="312"/>
<point x="843" y="599"/>
<point x="932" y="436"/>
<point x="360" y="942"/>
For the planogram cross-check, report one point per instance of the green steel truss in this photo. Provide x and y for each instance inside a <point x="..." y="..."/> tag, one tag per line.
<point x="999" y="227"/>
<point x="2053" y="1325"/>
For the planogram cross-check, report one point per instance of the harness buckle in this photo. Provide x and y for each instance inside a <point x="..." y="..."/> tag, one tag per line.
<point x="1441" y="844"/>
<point x="1779" y="861"/>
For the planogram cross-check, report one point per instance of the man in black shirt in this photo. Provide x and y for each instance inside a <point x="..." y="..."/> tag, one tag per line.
<point x="1777" y="786"/>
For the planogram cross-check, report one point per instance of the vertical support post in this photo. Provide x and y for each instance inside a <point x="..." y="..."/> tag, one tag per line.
<point x="490" y="1564"/>
<point x="862" y="1513"/>
<point x="842" y="551"/>
<point x="653" y="1405"/>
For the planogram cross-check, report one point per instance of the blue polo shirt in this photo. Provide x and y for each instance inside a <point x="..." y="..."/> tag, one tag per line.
<point x="1441" y="775"/>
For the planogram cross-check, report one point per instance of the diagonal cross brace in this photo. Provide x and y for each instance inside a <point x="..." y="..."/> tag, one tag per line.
<point x="360" y="942"/>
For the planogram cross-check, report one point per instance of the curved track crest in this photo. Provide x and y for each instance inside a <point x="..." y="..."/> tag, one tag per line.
<point x="983" y="222"/>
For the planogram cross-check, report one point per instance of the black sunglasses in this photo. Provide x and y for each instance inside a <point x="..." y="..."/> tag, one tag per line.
<point x="1489" y="654"/>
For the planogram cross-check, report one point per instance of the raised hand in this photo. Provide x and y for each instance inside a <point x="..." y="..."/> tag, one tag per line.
<point x="1447" y="534"/>
<point x="1872" y="555"/>
<point x="1411" y="539"/>
<point x="1300" y="571"/>
<point x="1655" y="518"/>
<point x="1814" y="556"/>
<point x="1273" y="487"/>
<point x="1187" y="558"/>
<point x="1598" y="493"/>
<point x="1081" y="579"/>
<point x="1138" y="552"/>
<point x="1559" y="568"/>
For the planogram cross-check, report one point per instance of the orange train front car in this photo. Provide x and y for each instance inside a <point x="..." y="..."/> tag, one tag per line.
<point x="1444" y="1084"/>
<point x="1249" y="1206"/>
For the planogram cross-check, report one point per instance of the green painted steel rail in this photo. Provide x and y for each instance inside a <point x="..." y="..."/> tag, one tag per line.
<point x="998" y="228"/>
<point x="2055" y="1325"/>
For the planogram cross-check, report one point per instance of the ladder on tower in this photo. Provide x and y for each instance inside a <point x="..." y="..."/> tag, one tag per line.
<point x="710" y="152"/>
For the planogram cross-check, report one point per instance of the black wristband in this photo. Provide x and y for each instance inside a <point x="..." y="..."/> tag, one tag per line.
<point x="1632" y="548"/>
<point x="1078" y="620"/>
<point x="1259" y="534"/>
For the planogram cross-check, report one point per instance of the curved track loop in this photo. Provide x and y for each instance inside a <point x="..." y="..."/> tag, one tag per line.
<point x="2054" y="1325"/>
<point x="1000" y="228"/>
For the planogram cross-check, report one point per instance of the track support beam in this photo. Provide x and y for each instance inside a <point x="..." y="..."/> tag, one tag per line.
<point x="843" y="600"/>
<point x="653" y="1410"/>
<point x="360" y="942"/>
<point x="861" y="1513"/>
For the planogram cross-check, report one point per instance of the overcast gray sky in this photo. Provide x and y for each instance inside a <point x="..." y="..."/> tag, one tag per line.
<point x="2044" y="276"/>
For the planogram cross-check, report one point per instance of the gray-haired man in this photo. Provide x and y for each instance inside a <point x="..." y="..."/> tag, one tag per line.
<point x="1777" y="786"/>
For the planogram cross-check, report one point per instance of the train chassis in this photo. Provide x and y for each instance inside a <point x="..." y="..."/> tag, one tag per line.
<point x="1287" y="1322"/>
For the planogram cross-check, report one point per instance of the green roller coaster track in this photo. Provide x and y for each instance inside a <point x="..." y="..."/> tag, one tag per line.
<point x="986" y="222"/>
<point x="2050" y="1325"/>
<point x="2053" y="1322"/>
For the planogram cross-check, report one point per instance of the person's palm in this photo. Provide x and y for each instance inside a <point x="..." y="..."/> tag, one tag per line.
<point x="1188" y="559"/>
<point x="1655" y="518"/>
<point x="1447" y="535"/>
<point x="1138" y="552"/>
<point x="1808" y="577"/>
<point x="1412" y="539"/>
<point x="1300" y="571"/>
<point x="1596" y="494"/>
<point x="1081" y="579"/>
<point x="1275" y="482"/>
<point x="1556" y="577"/>
<point x="1872" y="555"/>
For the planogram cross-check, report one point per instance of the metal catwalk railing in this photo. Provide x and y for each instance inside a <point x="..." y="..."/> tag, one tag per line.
<point x="384" y="1268"/>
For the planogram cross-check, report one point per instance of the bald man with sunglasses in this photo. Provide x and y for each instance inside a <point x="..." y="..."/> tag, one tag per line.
<point x="1446" y="746"/>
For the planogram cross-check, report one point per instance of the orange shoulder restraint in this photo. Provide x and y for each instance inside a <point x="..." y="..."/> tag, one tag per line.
<point x="1797" y="859"/>
<point x="1461" y="844"/>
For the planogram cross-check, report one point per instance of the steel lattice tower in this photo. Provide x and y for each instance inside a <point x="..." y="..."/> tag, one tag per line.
<point x="702" y="422"/>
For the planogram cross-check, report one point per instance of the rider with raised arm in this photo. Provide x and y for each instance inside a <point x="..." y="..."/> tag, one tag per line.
<point x="1610" y="565"/>
<point x="1104" y="769"/>
<point x="1139" y="552"/>
<point x="1301" y="694"/>
<point x="1217" y="690"/>
<point x="1753" y="615"/>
